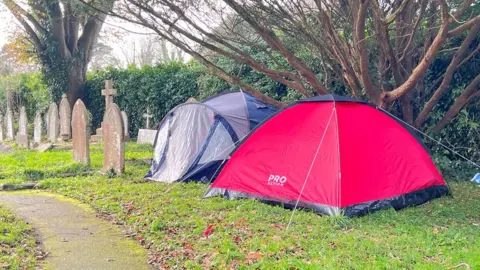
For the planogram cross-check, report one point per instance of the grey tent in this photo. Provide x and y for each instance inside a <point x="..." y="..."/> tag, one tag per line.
<point x="195" y="138"/>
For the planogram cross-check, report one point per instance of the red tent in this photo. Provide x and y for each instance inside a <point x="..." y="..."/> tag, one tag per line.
<point x="336" y="155"/>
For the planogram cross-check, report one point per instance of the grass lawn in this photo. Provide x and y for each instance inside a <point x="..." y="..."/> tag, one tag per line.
<point x="170" y="219"/>
<point x="17" y="242"/>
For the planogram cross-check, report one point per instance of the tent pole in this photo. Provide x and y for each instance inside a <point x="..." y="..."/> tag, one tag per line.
<point x="339" y="182"/>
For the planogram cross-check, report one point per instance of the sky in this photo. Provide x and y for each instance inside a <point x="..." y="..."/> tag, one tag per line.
<point x="5" y="22"/>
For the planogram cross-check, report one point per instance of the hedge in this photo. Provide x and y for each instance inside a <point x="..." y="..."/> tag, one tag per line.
<point x="161" y="88"/>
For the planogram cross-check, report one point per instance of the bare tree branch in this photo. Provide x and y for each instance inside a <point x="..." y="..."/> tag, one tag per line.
<point x="427" y="60"/>
<point x="31" y="33"/>
<point x="465" y="97"/>
<point x="457" y="58"/>
<point x="390" y="19"/>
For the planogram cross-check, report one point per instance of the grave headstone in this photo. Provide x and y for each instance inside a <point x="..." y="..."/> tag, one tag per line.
<point x="37" y="128"/>
<point x="114" y="144"/>
<point x="65" y="119"/>
<point x="53" y="123"/>
<point x="81" y="150"/>
<point x="109" y="92"/>
<point x="147" y="135"/>
<point x="9" y="98"/>
<point x="46" y="125"/>
<point x="1" y="127"/>
<point x="9" y="124"/>
<point x="126" y="126"/>
<point x="22" y="135"/>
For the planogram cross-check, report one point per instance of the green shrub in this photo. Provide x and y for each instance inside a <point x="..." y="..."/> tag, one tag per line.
<point x="29" y="90"/>
<point x="161" y="88"/>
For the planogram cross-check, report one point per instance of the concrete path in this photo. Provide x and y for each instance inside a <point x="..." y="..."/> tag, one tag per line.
<point x="72" y="234"/>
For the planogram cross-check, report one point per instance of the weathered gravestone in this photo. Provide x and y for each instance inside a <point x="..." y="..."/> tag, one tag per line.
<point x="147" y="135"/>
<point x="37" y="128"/>
<point x="1" y="127"/>
<point x="109" y="92"/>
<point x="81" y="151"/>
<point x="114" y="144"/>
<point x="53" y="123"/>
<point x="46" y="125"/>
<point x="22" y="136"/>
<point x="9" y="124"/>
<point x="126" y="125"/>
<point x="65" y="119"/>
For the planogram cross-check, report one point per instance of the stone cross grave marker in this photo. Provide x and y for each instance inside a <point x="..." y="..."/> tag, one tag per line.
<point x="37" y="128"/>
<point x="53" y="123"/>
<point x="65" y="119"/>
<point x="9" y="124"/>
<point x="109" y="92"/>
<point x="22" y="135"/>
<point x="81" y="150"/>
<point x="147" y="116"/>
<point x="113" y="137"/>
<point x="1" y="127"/>
<point x="126" y="126"/>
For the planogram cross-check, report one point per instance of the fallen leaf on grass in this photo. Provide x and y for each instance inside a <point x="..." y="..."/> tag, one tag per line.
<point x="277" y="226"/>
<point x="237" y="239"/>
<point x="188" y="250"/>
<point x="254" y="256"/>
<point x="233" y="264"/>
<point x="239" y="223"/>
<point x="208" y="231"/>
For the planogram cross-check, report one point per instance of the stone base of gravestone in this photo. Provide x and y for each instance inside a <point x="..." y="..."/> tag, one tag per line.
<point x="146" y="136"/>
<point x="22" y="140"/>
<point x="5" y="149"/>
<point x="44" y="147"/>
<point x="98" y="137"/>
<point x="34" y="145"/>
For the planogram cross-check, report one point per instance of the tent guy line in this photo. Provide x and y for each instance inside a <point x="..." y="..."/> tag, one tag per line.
<point x="310" y="169"/>
<point x="424" y="134"/>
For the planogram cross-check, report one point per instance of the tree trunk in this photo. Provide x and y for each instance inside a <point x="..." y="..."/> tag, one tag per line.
<point x="76" y="82"/>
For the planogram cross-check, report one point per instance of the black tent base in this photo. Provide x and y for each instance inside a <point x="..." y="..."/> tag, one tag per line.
<point x="399" y="202"/>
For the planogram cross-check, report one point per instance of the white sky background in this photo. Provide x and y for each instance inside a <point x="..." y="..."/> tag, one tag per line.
<point x="120" y="35"/>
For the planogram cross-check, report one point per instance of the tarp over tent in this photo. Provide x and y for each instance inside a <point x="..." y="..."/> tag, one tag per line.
<point x="195" y="138"/>
<point x="336" y="155"/>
